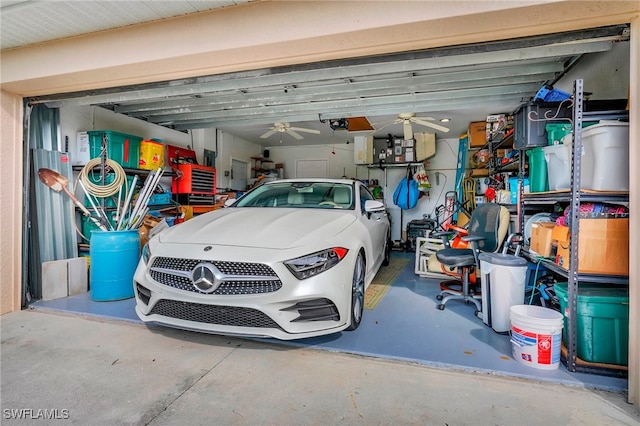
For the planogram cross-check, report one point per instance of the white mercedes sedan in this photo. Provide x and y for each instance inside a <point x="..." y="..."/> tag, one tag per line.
<point x="290" y="259"/>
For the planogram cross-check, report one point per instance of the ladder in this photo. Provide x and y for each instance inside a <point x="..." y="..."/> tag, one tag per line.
<point x="463" y="144"/>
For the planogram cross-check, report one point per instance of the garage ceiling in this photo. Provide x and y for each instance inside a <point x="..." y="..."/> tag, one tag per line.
<point x="463" y="83"/>
<point x="25" y="22"/>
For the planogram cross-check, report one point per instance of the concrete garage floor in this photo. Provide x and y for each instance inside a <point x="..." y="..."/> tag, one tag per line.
<point x="84" y="369"/>
<point x="404" y="326"/>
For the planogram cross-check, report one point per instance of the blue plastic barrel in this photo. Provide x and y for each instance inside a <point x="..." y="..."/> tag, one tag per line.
<point x="114" y="257"/>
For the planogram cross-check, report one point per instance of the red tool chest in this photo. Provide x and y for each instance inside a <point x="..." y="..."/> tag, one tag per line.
<point x="194" y="179"/>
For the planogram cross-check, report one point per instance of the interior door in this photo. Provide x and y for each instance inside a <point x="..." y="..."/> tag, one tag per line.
<point x="239" y="175"/>
<point x="312" y="168"/>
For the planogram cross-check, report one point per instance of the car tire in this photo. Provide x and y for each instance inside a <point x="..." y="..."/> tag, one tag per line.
<point x="387" y="252"/>
<point x="357" y="293"/>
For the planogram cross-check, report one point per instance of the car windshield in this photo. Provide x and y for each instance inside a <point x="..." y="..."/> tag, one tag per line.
<point x="312" y="195"/>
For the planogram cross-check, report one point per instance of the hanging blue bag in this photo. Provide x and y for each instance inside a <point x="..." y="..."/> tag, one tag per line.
<point x="407" y="193"/>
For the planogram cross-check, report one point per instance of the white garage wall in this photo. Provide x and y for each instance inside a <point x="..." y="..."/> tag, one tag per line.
<point x="441" y="170"/>
<point x="605" y="74"/>
<point x="339" y="157"/>
<point x="230" y="147"/>
<point x="80" y="119"/>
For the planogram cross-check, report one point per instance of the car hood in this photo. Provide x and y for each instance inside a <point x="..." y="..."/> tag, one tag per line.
<point x="275" y="228"/>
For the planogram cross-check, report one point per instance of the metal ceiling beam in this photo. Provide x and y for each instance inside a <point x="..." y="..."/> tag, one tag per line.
<point x="322" y="101"/>
<point x="352" y="107"/>
<point x="487" y="102"/>
<point x="238" y="81"/>
<point x="447" y="81"/>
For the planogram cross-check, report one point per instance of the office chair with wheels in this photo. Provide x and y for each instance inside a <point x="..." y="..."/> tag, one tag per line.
<point x="487" y="229"/>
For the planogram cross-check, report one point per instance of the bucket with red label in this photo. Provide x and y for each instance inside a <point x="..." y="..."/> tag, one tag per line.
<point x="536" y="336"/>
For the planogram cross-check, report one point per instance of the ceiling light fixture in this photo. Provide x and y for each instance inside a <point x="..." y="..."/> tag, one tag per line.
<point x="445" y="120"/>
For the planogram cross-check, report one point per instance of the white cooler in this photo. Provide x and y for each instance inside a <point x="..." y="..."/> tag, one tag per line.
<point x="502" y="281"/>
<point x="605" y="163"/>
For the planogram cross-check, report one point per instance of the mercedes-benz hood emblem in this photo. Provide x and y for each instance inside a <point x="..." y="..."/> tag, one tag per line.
<point x="205" y="277"/>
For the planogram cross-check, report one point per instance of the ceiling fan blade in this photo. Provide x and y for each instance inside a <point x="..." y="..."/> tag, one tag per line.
<point x="294" y="134"/>
<point x="269" y="133"/>
<point x="302" y="129"/>
<point x="387" y="124"/>
<point x="429" y="124"/>
<point x="408" y="130"/>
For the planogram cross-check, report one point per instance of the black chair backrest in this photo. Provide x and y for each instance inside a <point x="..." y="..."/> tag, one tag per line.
<point x="484" y="223"/>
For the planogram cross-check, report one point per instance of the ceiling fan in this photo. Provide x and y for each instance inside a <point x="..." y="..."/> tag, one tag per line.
<point x="287" y="128"/>
<point x="406" y="118"/>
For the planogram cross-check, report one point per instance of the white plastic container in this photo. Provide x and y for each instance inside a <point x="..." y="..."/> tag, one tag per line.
<point x="503" y="281"/>
<point x="605" y="161"/>
<point x="558" y="166"/>
<point x="536" y="336"/>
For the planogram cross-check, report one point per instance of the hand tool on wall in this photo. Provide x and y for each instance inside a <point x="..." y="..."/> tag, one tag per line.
<point x="58" y="182"/>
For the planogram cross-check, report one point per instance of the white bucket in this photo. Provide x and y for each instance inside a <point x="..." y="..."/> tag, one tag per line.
<point x="536" y="336"/>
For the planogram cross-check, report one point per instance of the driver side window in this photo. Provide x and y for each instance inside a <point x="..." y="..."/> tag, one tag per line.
<point x="365" y="195"/>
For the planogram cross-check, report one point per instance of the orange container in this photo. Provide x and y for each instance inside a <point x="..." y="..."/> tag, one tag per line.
<point x="151" y="155"/>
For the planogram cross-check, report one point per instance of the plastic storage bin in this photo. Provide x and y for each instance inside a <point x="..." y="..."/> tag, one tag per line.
<point x="503" y="281"/>
<point x="602" y="323"/>
<point x="513" y="188"/>
<point x="558" y="158"/>
<point x="538" y="181"/>
<point x="151" y="155"/>
<point x="557" y="131"/>
<point x="532" y="133"/>
<point x="605" y="163"/>
<point x="122" y="148"/>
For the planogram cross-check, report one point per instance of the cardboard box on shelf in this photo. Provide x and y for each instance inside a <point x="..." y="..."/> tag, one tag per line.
<point x="477" y="135"/>
<point x="501" y="153"/>
<point x="541" y="238"/>
<point x="603" y="246"/>
<point x="478" y="172"/>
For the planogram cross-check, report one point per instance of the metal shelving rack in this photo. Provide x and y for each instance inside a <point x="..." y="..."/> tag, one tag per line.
<point x="574" y="197"/>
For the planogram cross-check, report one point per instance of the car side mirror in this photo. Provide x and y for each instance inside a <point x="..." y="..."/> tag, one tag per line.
<point x="229" y="202"/>
<point x="373" y="206"/>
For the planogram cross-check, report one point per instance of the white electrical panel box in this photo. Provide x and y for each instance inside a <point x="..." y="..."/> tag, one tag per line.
<point x="425" y="145"/>
<point x="422" y="147"/>
<point x="363" y="149"/>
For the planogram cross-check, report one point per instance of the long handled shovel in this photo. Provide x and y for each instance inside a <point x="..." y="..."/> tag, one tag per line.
<point x="57" y="182"/>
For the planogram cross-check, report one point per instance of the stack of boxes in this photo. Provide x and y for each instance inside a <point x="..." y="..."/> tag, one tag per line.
<point x="602" y="309"/>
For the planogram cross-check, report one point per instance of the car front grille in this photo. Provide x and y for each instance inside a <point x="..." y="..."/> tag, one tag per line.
<point x="213" y="314"/>
<point x="174" y="272"/>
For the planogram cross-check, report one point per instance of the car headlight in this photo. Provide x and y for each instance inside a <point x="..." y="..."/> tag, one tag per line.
<point x="315" y="263"/>
<point x="146" y="253"/>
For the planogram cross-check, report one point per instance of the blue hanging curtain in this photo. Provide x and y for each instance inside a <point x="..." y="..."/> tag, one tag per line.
<point x="49" y="232"/>
<point x="44" y="128"/>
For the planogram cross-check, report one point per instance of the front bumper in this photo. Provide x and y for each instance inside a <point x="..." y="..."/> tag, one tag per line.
<point x="291" y="310"/>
